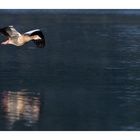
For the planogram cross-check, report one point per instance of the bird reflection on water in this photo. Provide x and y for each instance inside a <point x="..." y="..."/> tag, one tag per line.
<point x="21" y="109"/>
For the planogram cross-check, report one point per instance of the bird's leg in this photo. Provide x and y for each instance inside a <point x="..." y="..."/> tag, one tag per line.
<point x="5" y="42"/>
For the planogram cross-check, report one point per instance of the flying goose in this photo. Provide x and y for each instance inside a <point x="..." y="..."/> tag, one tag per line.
<point x="17" y="39"/>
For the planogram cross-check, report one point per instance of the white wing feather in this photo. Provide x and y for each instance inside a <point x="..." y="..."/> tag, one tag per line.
<point x="32" y="31"/>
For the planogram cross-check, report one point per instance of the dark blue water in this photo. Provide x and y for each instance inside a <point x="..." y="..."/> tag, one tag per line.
<point x="86" y="78"/>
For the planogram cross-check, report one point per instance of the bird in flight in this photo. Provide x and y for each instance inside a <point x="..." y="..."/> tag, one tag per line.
<point x="13" y="37"/>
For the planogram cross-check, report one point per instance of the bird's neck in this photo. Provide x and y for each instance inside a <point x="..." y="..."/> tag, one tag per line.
<point x="26" y="38"/>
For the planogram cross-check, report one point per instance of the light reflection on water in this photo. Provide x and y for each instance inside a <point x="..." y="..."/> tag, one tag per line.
<point x="20" y="108"/>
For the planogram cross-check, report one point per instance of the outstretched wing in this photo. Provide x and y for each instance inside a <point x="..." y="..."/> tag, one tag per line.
<point x="39" y="42"/>
<point x="10" y="31"/>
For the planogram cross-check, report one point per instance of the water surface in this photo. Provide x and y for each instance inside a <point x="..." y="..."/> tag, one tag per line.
<point x="86" y="78"/>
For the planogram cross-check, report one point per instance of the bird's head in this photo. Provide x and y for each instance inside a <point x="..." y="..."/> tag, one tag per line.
<point x="36" y="37"/>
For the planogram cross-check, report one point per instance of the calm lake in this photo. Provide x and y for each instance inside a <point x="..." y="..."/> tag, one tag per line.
<point x="86" y="78"/>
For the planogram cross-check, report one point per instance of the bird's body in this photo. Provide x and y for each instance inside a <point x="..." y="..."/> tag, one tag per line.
<point x="17" y="39"/>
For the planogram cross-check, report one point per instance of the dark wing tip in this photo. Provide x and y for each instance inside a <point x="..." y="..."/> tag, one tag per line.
<point x="7" y="31"/>
<point x="4" y="31"/>
<point x="40" y="43"/>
